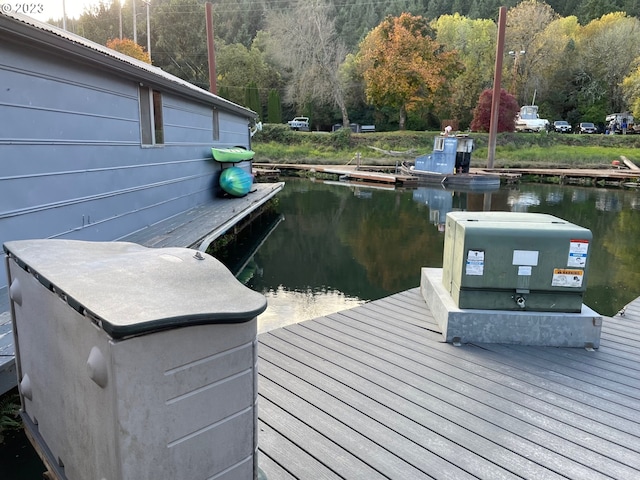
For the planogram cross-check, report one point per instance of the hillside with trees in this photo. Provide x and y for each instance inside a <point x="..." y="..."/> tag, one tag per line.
<point x="342" y="62"/>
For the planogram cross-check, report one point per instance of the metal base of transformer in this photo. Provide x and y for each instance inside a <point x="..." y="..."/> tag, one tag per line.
<point x="553" y="329"/>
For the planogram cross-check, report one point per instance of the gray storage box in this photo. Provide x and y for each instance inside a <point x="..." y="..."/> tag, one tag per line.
<point x="515" y="261"/>
<point x="135" y="363"/>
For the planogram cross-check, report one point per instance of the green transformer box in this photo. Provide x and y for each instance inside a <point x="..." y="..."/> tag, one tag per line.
<point x="515" y="261"/>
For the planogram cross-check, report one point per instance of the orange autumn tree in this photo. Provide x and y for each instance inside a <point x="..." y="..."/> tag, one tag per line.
<point x="129" y="47"/>
<point x="402" y="66"/>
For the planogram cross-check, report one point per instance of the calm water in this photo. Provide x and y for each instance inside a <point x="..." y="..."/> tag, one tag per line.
<point x="329" y="246"/>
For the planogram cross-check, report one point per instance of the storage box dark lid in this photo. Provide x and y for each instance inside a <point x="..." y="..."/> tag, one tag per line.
<point x="132" y="290"/>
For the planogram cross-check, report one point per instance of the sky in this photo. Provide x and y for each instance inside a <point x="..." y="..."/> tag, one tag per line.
<point x="50" y="8"/>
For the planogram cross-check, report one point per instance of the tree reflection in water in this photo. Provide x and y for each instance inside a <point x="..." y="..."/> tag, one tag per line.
<point x="339" y="246"/>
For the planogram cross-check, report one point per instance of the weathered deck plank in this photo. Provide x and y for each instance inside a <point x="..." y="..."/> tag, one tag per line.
<point x="201" y="225"/>
<point x="381" y="372"/>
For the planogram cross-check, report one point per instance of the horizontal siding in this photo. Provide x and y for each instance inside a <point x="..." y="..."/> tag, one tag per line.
<point x="234" y="131"/>
<point x="38" y="124"/>
<point x="44" y="189"/>
<point x="71" y="162"/>
<point x="33" y="160"/>
<point x="110" y="216"/>
<point x="85" y="92"/>
<point x="186" y="123"/>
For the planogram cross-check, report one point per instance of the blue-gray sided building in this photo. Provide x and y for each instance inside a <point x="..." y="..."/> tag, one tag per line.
<point x="95" y="145"/>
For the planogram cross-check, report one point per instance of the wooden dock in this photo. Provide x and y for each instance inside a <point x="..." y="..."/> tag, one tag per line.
<point x="347" y="172"/>
<point x="386" y="174"/>
<point x="606" y="176"/>
<point x="367" y="175"/>
<point x="372" y="392"/>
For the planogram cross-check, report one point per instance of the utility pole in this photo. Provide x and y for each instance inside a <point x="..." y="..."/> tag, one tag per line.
<point x="213" y="84"/>
<point x="120" y="17"/>
<point x="135" y="33"/>
<point x="497" y="80"/>
<point x="148" y="2"/>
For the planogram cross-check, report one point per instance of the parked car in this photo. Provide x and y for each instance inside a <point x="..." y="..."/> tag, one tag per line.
<point x="587" y="127"/>
<point x="561" y="126"/>
<point x="299" y="123"/>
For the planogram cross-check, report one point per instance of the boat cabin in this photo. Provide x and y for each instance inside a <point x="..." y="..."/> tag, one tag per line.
<point x="451" y="154"/>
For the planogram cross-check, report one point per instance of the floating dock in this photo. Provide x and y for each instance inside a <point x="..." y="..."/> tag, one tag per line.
<point x="374" y="392"/>
<point x="367" y="174"/>
<point x="602" y="176"/>
<point x="606" y="176"/>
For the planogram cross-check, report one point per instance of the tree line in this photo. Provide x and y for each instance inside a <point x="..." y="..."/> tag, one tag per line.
<point x="397" y="64"/>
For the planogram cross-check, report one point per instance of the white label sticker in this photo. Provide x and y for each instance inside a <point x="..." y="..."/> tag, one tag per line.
<point x="563" y="277"/>
<point x="525" y="257"/>
<point x="475" y="262"/>
<point x="578" y="253"/>
<point x="524" y="271"/>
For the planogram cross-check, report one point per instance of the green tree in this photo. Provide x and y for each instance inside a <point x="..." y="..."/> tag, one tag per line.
<point x="557" y="70"/>
<point x="238" y="21"/>
<point x="631" y="90"/>
<point x="474" y="41"/>
<point x="402" y="66"/>
<point x="526" y="24"/>
<point x="605" y="58"/>
<point x="100" y="23"/>
<point x="355" y="19"/>
<point x="181" y="47"/>
<point x="237" y="66"/>
<point x="274" y="107"/>
<point x="252" y="98"/>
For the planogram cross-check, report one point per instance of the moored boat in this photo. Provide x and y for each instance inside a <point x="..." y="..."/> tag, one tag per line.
<point x="231" y="155"/>
<point x="470" y="181"/>
<point x="449" y="164"/>
<point x="528" y="120"/>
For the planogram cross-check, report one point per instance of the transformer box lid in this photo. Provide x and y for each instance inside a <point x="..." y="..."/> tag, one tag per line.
<point x="515" y="261"/>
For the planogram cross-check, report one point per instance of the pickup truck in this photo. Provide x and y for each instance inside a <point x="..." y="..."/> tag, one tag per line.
<point x="299" y="123"/>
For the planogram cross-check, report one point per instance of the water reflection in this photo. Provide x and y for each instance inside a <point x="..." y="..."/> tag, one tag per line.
<point x="285" y="306"/>
<point x="338" y="246"/>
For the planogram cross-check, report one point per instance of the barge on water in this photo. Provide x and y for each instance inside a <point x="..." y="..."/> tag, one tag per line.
<point x="448" y="165"/>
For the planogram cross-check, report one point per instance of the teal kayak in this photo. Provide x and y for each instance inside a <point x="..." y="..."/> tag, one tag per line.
<point x="235" y="181"/>
<point x="231" y="155"/>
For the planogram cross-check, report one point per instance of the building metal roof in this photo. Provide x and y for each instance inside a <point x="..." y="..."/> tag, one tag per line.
<point x="27" y="30"/>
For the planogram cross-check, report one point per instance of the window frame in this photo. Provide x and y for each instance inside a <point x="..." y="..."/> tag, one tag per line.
<point x="151" y="118"/>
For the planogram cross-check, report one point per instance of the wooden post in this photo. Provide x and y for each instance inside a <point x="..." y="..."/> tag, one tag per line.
<point x="497" y="80"/>
<point x="213" y="86"/>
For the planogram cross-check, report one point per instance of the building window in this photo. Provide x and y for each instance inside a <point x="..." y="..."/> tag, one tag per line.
<point x="151" y="125"/>
<point x="216" y="126"/>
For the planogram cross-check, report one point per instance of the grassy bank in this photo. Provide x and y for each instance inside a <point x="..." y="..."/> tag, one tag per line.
<point x="279" y="144"/>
